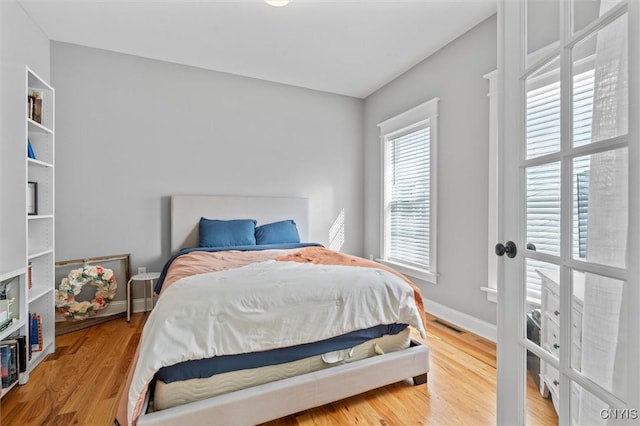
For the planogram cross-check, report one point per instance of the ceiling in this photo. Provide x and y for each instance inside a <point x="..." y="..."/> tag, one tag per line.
<point x="349" y="47"/>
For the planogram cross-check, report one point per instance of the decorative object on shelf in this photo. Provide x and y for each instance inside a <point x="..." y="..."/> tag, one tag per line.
<point x="30" y="152"/>
<point x="34" y="101"/>
<point x="32" y="198"/>
<point x="6" y="313"/>
<point x="5" y="323"/>
<point x="6" y="318"/>
<point x="103" y="279"/>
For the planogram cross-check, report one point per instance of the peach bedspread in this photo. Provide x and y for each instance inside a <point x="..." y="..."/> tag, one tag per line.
<point x="201" y="262"/>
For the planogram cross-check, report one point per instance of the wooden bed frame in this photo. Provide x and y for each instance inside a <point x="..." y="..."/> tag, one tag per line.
<point x="284" y="397"/>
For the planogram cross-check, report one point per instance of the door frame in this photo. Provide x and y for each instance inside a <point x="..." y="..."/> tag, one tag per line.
<point x="511" y="349"/>
<point x="511" y="361"/>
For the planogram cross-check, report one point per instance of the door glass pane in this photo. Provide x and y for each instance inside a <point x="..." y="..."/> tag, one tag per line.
<point x="543" y="207"/>
<point x="550" y="384"/>
<point x="600" y="216"/>
<point x="543" y="302"/>
<point x="543" y="110"/>
<point x="550" y="312"/>
<point x="543" y="24"/>
<point x="588" y="409"/>
<point x="600" y="79"/>
<point x="587" y="11"/>
<point x="581" y="171"/>
<point x="543" y="328"/>
<point x="598" y="330"/>
<point x="540" y="408"/>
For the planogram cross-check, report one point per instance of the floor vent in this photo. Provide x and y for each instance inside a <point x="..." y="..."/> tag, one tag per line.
<point x="449" y="326"/>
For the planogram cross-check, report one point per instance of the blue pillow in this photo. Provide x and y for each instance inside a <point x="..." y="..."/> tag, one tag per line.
<point x="223" y="233"/>
<point x="284" y="231"/>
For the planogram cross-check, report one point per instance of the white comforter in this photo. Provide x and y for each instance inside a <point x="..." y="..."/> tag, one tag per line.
<point x="264" y="306"/>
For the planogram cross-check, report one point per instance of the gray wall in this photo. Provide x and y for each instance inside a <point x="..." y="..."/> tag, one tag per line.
<point x="454" y="74"/>
<point x="21" y="43"/>
<point x="132" y="131"/>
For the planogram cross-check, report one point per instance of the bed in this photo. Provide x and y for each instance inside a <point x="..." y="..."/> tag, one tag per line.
<point x="260" y="355"/>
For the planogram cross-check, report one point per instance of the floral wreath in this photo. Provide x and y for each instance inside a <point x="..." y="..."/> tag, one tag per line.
<point x="99" y="277"/>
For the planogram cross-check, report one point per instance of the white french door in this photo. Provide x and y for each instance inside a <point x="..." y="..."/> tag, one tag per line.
<point x="569" y="296"/>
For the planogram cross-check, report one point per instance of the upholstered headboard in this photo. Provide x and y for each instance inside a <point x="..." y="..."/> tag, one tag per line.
<point x="186" y="211"/>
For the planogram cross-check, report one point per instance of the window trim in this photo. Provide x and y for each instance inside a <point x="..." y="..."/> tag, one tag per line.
<point x="495" y="212"/>
<point x="413" y="119"/>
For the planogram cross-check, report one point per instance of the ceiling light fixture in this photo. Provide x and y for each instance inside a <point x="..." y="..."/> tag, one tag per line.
<point x="277" y="3"/>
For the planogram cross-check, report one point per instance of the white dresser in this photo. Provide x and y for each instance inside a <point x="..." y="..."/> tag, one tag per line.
<point x="550" y="328"/>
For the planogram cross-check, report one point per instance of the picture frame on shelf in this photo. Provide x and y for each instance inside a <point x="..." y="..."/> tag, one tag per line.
<point x="32" y="198"/>
<point x="30" y="152"/>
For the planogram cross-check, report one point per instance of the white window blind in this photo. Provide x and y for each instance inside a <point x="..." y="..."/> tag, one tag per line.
<point x="407" y="230"/>
<point x="409" y="191"/>
<point x="543" y="182"/>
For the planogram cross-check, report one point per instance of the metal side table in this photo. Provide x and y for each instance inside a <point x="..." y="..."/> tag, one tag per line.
<point x="146" y="278"/>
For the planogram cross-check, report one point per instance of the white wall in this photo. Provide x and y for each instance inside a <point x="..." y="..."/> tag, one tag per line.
<point x="454" y="74"/>
<point x="21" y="43"/>
<point x="132" y="131"/>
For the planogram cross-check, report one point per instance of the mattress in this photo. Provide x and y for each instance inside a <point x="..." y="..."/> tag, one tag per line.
<point x="207" y="367"/>
<point x="172" y="394"/>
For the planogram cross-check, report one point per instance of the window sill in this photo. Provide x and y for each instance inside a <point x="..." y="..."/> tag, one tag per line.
<point x="492" y="296"/>
<point x="410" y="271"/>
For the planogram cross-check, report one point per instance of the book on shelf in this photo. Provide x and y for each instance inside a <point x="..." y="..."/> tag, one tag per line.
<point x="21" y="341"/>
<point x="12" y="359"/>
<point x="37" y="111"/>
<point x="30" y="100"/>
<point x="5" y="361"/>
<point x="34" y="105"/>
<point x="9" y="362"/>
<point x="35" y="334"/>
<point x="30" y="274"/>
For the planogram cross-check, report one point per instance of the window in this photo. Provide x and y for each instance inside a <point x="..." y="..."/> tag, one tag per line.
<point x="409" y="191"/>
<point x="543" y="186"/>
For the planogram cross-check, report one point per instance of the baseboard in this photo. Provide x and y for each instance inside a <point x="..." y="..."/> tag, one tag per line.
<point x="139" y="306"/>
<point x="474" y="325"/>
<point x="121" y="306"/>
<point x="118" y="306"/>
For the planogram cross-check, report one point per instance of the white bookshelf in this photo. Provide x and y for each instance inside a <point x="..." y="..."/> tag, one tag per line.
<point x="40" y="236"/>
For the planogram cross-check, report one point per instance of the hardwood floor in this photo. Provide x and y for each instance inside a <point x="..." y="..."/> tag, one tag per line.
<point x="81" y="385"/>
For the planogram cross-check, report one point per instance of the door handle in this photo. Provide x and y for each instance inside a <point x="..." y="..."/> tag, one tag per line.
<point x="509" y="248"/>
